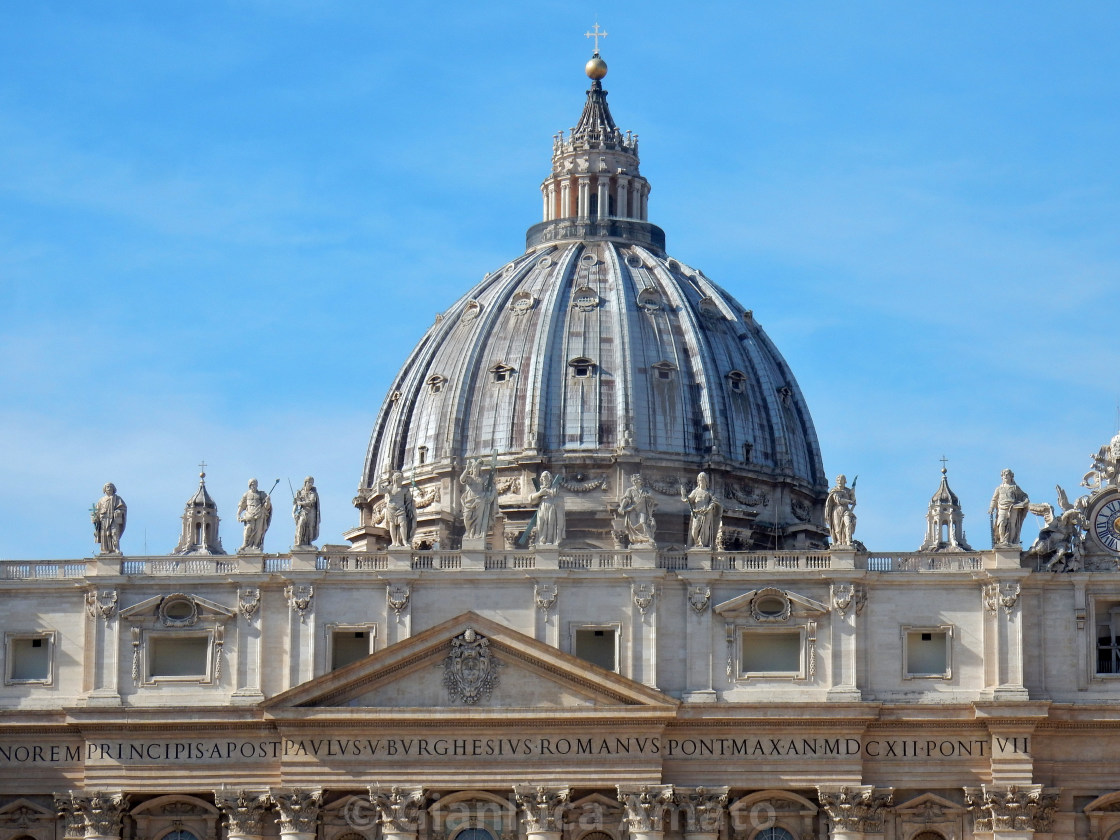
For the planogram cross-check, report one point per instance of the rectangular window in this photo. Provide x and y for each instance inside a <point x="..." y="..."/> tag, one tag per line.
<point x="771" y="653"/>
<point x="30" y="658"/>
<point x="1108" y="638"/>
<point x="178" y="657"/>
<point x="927" y="652"/>
<point x="348" y="646"/>
<point x="597" y="645"/>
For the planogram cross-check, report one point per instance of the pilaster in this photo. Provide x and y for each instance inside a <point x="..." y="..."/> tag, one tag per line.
<point x="104" y="651"/>
<point x="848" y="601"/>
<point x="1004" y="630"/>
<point x="248" y="674"/>
<point x="643" y="634"/>
<point x="698" y="644"/>
<point x="301" y="632"/>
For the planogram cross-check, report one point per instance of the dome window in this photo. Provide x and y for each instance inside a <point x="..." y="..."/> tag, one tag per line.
<point x="663" y="371"/>
<point x="582" y="367"/>
<point x="585" y="299"/>
<point x="589" y="259"/>
<point x="502" y="372"/>
<point x="472" y="310"/>
<point x="436" y="382"/>
<point x="737" y="381"/>
<point x="634" y="261"/>
<point x="544" y="262"/>
<point x="649" y="300"/>
<point x="422" y="455"/>
<point x="521" y="303"/>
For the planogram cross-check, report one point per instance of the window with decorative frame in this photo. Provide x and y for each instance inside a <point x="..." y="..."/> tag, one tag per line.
<point x="927" y="652"/>
<point x="29" y="658"/>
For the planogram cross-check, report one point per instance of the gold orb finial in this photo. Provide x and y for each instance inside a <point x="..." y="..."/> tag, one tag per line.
<point x="596" y="68"/>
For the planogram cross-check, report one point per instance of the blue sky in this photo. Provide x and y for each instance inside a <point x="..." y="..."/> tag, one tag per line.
<point x="224" y="225"/>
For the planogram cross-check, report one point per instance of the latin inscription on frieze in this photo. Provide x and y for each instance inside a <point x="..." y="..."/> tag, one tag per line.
<point x="451" y="747"/>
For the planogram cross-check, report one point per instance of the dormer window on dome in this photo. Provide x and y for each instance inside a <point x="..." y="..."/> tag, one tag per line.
<point x="502" y="372"/>
<point x="663" y="370"/>
<point x="737" y="381"/>
<point x="650" y="300"/>
<point x="582" y="367"/>
<point x="436" y="382"/>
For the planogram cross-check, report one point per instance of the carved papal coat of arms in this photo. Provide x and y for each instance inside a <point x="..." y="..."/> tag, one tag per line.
<point x="470" y="669"/>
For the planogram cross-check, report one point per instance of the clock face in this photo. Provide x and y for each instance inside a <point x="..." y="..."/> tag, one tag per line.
<point x="1106" y="524"/>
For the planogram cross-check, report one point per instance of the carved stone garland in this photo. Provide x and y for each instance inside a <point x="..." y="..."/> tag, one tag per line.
<point x="470" y="669"/>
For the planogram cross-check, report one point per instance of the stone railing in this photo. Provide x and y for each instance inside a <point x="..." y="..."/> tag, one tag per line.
<point x="917" y="561"/>
<point x="342" y="562"/>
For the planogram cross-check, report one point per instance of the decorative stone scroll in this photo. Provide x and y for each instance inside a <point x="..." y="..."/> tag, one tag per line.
<point x="1011" y="807"/>
<point x="397" y="596"/>
<point x="858" y="808"/>
<point x="542" y="807"/>
<point x="299" y="811"/>
<point x="470" y="670"/>
<point x="299" y="597"/>
<point x="847" y="596"/>
<point x="101" y="604"/>
<point x="646" y="807"/>
<point x="93" y="814"/>
<point x="581" y="483"/>
<point x="702" y="809"/>
<point x="244" y="811"/>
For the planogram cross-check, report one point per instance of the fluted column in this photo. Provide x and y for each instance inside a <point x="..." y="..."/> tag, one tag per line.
<point x="645" y="808"/>
<point x="243" y="811"/>
<point x="702" y="809"/>
<point x="604" y="196"/>
<point x="542" y="810"/>
<point x="855" y="812"/>
<point x="299" y="812"/>
<point x="92" y="816"/>
<point x="1010" y="812"/>
<point x="398" y="811"/>
<point x="565" y="199"/>
<point x="546" y="210"/>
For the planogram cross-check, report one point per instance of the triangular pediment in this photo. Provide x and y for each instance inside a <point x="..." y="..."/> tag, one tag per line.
<point x="929" y="805"/>
<point x="770" y="603"/>
<point x="470" y="662"/>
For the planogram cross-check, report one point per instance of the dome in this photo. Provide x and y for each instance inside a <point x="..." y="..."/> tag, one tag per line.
<point x="595" y="355"/>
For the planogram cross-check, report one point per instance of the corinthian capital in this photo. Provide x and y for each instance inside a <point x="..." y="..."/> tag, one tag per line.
<point x="645" y="805"/>
<point x="702" y="807"/>
<point x="856" y="807"/>
<point x="243" y="810"/>
<point x="542" y="807"/>
<point x="94" y="814"/>
<point x="1011" y="807"/>
<point x="398" y="808"/>
<point x="299" y="810"/>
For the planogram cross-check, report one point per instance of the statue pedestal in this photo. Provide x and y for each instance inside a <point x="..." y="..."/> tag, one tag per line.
<point x="303" y="558"/>
<point x="547" y="557"/>
<point x="699" y="558"/>
<point x="108" y="563"/>
<point x="1004" y="557"/>
<point x="475" y="544"/>
<point x="842" y="557"/>
<point x="399" y="558"/>
<point x="473" y="558"/>
<point x="643" y="557"/>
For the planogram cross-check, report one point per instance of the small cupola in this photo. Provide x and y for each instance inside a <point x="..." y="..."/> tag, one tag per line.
<point x="945" y="520"/>
<point x="200" y="524"/>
